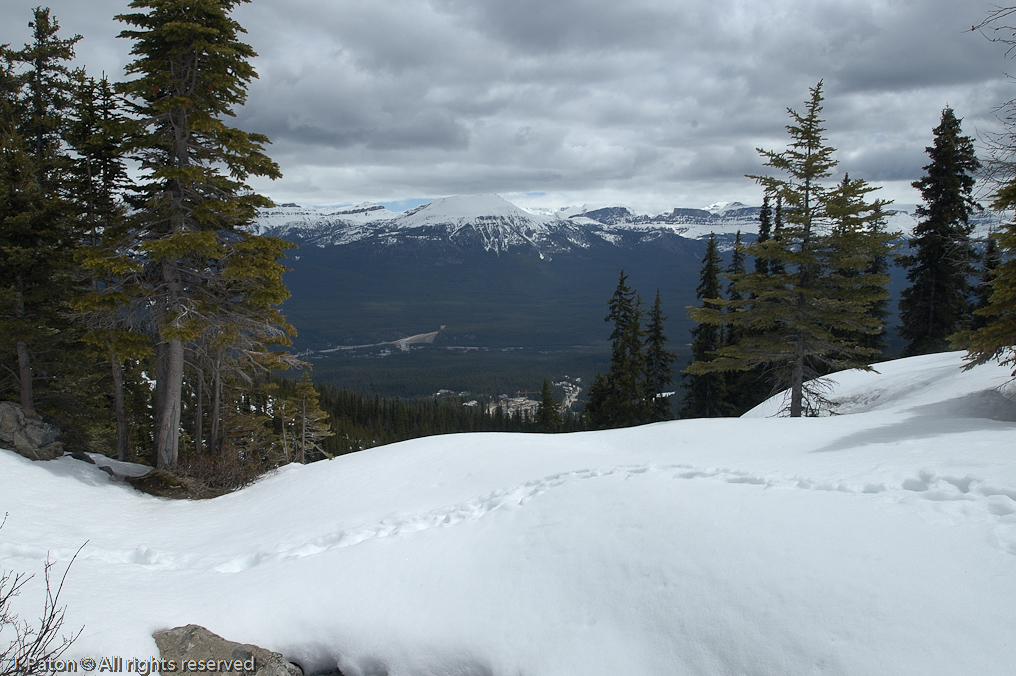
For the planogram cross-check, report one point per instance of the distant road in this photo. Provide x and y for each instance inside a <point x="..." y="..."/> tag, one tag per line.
<point x="402" y="343"/>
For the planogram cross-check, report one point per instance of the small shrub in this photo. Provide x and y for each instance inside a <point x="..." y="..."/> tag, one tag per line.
<point x="32" y="648"/>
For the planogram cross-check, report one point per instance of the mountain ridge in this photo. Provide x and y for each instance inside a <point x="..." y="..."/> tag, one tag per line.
<point x="496" y="225"/>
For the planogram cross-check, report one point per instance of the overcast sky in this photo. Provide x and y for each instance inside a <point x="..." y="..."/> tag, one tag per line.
<point x="648" y="103"/>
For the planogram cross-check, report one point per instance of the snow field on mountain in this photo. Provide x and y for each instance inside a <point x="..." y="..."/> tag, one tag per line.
<point x="347" y="224"/>
<point x="881" y="540"/>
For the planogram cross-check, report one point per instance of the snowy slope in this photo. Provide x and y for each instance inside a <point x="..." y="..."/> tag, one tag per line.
<point x="879" y="541"/>
<point x="496" y="223"/>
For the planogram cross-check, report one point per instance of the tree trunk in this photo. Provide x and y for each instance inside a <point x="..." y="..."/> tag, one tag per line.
<point x="285" y="423"/>
<point x="797" y="383"/>
<point x="199" y="414"/>
<point x="120" y="410"/>
<point x="167" y="430"/>
<point x="213" y="437"/>
<point x="303" y="431"/>
<point x="25" y="378"/>
<point x="24" y="357"/>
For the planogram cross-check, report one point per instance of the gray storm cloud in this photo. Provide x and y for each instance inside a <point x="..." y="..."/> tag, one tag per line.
<point x="656" y="104"/>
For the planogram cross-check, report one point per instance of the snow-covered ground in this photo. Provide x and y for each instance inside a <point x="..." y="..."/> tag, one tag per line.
<point x="881" y="541"/>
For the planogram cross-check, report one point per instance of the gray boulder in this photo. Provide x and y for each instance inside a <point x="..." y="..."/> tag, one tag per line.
<point x="185" y="646"/>
<point x="28" y="435"/>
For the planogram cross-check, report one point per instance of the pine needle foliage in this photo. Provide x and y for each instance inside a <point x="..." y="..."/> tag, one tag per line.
<point x="705" y="394"/>
<point x="548" y="414"/>
<point x="936" y="303"/>
<point x="191" y="70"/>
<point x="618" y="399"/>
<point x="659" y="364"/>
<point x="799" y="319"/>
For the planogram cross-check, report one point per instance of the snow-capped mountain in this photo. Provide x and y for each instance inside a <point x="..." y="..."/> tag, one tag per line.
<point x="481" y="222"/>
<point x="493" y="273"/>
<point x="493" y="224"/>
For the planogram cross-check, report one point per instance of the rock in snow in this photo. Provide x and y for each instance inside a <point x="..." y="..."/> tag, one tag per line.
<point x="878" y="541"/>
<point x="28" y="435"/>
<point x="192" y="643"/>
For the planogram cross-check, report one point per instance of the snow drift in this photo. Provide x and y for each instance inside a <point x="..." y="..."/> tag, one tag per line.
<point x="878" y="541"/>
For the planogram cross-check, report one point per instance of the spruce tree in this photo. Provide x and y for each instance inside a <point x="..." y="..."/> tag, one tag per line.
<point x="765" y="233"/>
<point x="309" y="423"/>
<point x="993" y="334"/>
<point x="859" y="251"/>
<point x="548" y="414"/>
<point x="191" y="70"/>
<point x="38" y="232"/>
<point x="995" y="340"/>
<point x="705" y="393"/>
<point x="797" y="320"/>
<point x="659" y="365"/>
<point x="990" y="260"/>
<point x="618" y="399"/>
<point x="50" y="86"/>
<point x="935" y="304"/>
<point x="744" y="389"/>
<point x="109" y="310"/>
<point x="735" y="269"/>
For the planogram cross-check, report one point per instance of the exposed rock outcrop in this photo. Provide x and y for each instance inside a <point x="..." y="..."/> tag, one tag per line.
<point x="193" y="643"/>
<point x="28" y="435"/>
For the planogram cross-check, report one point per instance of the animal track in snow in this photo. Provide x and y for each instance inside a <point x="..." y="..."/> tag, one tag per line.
<point x="998" y="504"/>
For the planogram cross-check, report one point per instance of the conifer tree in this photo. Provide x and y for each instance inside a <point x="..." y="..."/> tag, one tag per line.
<point x="765" y="233"/>
<point x="50" y="86"/>
<point x="37" y="229"/>
<point x="109" y="309"/>
<point x="618" y="399"/>
<point x="191" y="71"/>
<point x="799" y="318"/>
<point x="936" y="304"/>
<point x="705" y="393"/>
<point x="745" y="389"/>
<point x="993" y="335"/>
<point x="548" y="414"/>
<point x="659" y="364"/>
<point x="734" y="271"/>
<point x="990" y="260"/>
<point x="308" y="423"/>
<point x="859" y="256"/>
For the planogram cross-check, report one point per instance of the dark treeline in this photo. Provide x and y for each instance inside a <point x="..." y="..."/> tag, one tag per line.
<point x="360" y="421"/>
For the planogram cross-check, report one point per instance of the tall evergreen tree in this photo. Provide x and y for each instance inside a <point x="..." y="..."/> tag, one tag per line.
<point x="859" y="256"/>
<point x="936" y="304"/>
<point x="618" y="399"/>
<point x="659" y="365"/>
<point x="548" y="414"/>
<point x="993" y="334"/>
<point x="995" y="339"/>
<point x="37" y="229"/>
<point x="990" y="261"/>
<point x="797" y="320"/>
<point x="308" y="423"/>
<point x="114" y="321"/>
<point x="191" y="71"/>
<point x="765" y="233"/>
<point x="735" y="269"/>
<point x="745" y="389"/>
<point x="705" y="393"/>
<point x="50" y="86"/>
